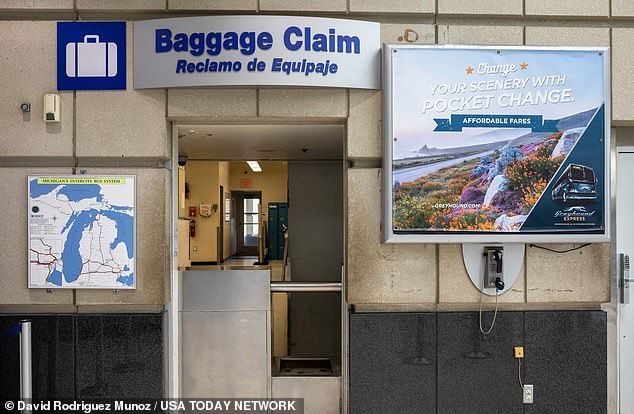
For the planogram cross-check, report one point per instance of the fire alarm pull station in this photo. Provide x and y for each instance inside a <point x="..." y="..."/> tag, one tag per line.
<point x="192" y="211"/>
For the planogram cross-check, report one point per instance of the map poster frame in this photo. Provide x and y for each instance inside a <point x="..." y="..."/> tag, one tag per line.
<point x="74" y="207"/>
<point x="499" y="144"/>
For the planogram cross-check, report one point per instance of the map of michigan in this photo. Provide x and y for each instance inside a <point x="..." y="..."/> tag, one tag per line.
<point x="82" y="232"/>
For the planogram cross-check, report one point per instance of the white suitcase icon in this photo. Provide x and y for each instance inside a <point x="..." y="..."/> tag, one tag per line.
<point x="91" y="59"/>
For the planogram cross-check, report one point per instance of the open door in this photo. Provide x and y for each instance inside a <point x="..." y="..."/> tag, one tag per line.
<point x="248" y="222"/>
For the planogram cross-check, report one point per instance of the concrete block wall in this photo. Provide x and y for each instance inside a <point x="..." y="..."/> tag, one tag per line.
<point x="123" y="124"/>
<point x="421" y="277"/>
<point x="129" y="131"/>
<point x="101" y="133"/>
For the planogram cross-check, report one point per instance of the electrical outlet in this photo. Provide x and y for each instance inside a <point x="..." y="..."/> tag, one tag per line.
<point x="529" y="396"/>
<point x="519" y="351"/>
<point x="195" y="248"/>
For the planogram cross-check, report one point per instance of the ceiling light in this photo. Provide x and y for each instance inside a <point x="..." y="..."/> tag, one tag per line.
<point x="255" y="166"/>
<point x="191" y="131"/>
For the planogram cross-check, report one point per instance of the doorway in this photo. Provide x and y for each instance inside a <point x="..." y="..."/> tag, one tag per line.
<point x="302" y="179"/>
<point x="248" y="205"/>
<point x="625" y="246"/>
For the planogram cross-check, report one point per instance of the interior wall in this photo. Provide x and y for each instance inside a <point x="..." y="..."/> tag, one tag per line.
<point x="127" y="131"/>
<point x="181" y="192"/>
<point x="378" y="276"/>
<point x="315" y="251"/>
<point x="121" y="131"/>
<point x="272" y="181"/>
<point x="202" y="178"/>
<point x="315" y="220"/>
<point x="224" y="180"/>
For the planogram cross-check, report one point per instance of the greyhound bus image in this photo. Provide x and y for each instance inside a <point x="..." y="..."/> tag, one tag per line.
<point x="576" y="183"/>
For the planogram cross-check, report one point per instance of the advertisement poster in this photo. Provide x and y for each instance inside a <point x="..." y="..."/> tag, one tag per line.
<point x="498" y="140"/>
<point x="82" y="232"/>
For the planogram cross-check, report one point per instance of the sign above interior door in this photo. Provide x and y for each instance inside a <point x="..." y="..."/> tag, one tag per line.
<point x="256" y="51"/>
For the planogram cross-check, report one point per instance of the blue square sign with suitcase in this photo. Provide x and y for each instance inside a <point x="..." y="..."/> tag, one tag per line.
<point x="91" y="55"/>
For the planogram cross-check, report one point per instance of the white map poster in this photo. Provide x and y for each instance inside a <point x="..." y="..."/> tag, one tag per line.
<point x="82" y="232"/>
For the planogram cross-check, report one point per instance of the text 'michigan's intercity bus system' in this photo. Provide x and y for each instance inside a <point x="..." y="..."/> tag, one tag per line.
<point x="82" y="232"/>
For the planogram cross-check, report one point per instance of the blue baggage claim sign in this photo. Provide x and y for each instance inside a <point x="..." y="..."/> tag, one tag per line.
<point x="91" y="55"/>
<point x="256" y="50"/>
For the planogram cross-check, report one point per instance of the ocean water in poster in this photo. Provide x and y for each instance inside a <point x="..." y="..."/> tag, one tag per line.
<point x="488" y="140"/>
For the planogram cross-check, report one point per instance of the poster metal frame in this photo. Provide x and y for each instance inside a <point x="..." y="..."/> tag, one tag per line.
<point x="422" y="236"/>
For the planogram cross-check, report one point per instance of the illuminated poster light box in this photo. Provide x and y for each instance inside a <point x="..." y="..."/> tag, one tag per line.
<point x="496" y="144"/>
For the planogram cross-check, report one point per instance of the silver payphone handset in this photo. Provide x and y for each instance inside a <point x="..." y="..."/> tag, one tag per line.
<point x="624" y="281"/>
<point x="493" y="274"/>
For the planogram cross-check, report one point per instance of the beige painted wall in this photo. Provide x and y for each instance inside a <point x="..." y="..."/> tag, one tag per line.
<point x="202" y="179"/>
<point x="128" y="131"/>
<point x="272" y="181"/>
<point x="225" y="182"/>
<point x="181" y="192"/>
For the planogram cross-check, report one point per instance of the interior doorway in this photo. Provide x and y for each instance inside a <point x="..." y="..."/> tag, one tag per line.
<point x="248" y="213"/>
<point x="295" y="199"/>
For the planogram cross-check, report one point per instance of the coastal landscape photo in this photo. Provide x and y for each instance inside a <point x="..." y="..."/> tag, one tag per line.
<point x="491" y="186"/>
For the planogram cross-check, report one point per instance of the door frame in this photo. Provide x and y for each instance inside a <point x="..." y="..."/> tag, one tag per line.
<point x="221" y="226"/>
<point x="172" y="352"/>
<point x="172" y="325"/>
<point x="615" y="306"/>
<point x="240" y="197"/>
<point x="611" y="308"/>
<point x="233" y="226"/>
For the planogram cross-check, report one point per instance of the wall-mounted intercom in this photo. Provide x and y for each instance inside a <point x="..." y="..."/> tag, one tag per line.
<point x="52" y="108"/>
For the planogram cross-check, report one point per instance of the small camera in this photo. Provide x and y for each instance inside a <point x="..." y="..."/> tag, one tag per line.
<point x="182" y="161"/>
<point x="25" y="107"/>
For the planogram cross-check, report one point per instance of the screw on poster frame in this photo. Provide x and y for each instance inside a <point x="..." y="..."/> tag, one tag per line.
<point x="496" y="144"/>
